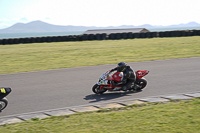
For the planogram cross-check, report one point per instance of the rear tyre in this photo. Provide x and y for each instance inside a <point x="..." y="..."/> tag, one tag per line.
<point x="3" y="103"/>
<point x="96" y="89"/>
<point x="141" y="83"/>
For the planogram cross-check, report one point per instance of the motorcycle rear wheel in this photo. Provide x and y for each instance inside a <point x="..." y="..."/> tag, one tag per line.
<point x="3" y="103"/>
<point x="96" y="89"/>
<point x="141" y="83"/>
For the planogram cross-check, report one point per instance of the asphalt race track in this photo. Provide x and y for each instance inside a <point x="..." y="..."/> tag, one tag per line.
<point x="50" y="89"/>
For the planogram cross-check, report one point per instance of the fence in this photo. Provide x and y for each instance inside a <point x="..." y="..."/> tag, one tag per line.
<point x="112" y="36"/>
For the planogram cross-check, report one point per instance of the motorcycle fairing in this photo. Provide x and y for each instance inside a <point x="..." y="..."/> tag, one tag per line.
<point x="105" y="82"/>
<point x="141" y="73"/>
<point x="4" y="91"/>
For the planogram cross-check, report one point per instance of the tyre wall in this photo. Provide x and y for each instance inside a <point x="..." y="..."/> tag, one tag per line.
<point x="104" y="36"/>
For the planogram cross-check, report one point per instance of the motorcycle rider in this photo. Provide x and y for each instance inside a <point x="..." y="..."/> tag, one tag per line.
<point x="128" y="76"/>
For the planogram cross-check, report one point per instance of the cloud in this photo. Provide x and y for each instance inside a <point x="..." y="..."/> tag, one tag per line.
<point x="5" y="23"/>
<point x="24" y="19"/>
<point x="47" y="18"/>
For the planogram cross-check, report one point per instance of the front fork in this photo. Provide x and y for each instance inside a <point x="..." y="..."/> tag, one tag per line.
<point x="101" y="87"/>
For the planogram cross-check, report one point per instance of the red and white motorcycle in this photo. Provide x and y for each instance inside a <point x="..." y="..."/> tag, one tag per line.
<point x="106" y="79"/>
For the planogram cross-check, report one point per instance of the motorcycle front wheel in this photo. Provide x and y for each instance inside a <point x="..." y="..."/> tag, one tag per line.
<point x="96" y="89"/>
<point x="3" y="103"/>
<point x="141" y="83"/>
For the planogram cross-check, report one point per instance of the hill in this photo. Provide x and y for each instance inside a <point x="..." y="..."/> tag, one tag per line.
<point x="39" y="26"/>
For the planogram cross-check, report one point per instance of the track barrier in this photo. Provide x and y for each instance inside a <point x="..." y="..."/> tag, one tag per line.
<point x="104" y="36"/>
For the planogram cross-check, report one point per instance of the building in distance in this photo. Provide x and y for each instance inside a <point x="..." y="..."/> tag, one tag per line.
<point x="109" y="31"/>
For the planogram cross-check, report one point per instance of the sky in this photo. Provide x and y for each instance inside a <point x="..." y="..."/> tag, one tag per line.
<point x="100" y="13"/>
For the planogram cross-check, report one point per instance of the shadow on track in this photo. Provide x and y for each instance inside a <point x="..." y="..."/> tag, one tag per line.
<point x="107" y="96"/>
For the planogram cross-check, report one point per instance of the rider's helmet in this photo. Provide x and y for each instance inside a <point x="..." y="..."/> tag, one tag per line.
<point x="121" y="67"/>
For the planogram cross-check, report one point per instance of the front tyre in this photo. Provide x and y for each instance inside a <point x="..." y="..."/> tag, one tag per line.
<point x="141" y="83"/>
<point x="96" y="89"/>
<point x="3" y="103"/>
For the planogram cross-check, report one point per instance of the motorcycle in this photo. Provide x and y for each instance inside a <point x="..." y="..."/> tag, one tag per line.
<point x="4" y="91"/>
<point x="106" y="79"/>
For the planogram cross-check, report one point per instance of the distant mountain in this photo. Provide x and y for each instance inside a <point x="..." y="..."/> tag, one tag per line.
<point x="39" y="26"/>
<point x="190" y="24"/>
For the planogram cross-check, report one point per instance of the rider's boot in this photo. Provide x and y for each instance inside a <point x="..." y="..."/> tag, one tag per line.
<point x="136" y="87"/>
<point x="124" y="88"/>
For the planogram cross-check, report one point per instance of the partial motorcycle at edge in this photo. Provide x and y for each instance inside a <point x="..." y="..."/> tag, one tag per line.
<point x="4" y="91"/>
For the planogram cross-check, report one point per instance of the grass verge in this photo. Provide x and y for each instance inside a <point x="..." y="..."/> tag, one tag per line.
<point x="181" y="116"/>
<point x="56" y="55"/>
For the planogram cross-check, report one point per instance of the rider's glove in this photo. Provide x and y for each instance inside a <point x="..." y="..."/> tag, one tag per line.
<point x="110" y="71"/>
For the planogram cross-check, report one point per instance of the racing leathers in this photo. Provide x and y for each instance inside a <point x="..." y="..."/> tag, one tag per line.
<point x="128" y="78"/>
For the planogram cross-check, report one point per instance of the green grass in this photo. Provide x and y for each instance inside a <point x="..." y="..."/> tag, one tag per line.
<point x="45" y="56"/>
<point x="174" y="117"/>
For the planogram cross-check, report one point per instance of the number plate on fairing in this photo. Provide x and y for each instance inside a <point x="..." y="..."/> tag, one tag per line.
<point x="103" y="82"/>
